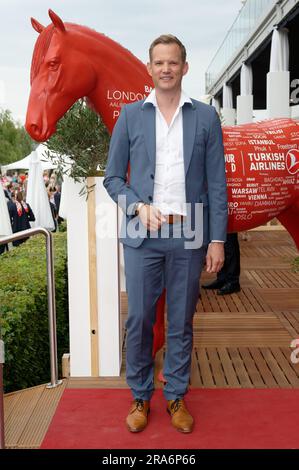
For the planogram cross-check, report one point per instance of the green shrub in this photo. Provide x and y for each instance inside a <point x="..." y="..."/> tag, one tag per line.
<point x="24" y="311"/>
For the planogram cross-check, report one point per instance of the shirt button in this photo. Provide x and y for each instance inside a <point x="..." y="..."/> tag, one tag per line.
<point x="150" y="198"/>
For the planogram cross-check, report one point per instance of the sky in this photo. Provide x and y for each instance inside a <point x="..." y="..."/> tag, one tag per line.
<point x="200" y="24"/>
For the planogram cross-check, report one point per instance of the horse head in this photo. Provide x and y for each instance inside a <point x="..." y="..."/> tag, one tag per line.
<point x="59" y="77"/>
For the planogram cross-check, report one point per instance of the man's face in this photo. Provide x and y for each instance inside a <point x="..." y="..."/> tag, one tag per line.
<point x="167" y="67"/>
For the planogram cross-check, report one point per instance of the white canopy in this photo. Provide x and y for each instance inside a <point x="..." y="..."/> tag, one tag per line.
<point x="5" y="226"/>
<point x="24" y="163"/>
<point x="37" y="195"/>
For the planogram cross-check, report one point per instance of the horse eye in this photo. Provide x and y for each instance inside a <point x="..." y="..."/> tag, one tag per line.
<point x="53" y="65"/>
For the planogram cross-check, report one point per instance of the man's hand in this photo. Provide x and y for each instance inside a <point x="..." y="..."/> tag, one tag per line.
<point x="215" y="257"/>
<point x="151" y="217"/>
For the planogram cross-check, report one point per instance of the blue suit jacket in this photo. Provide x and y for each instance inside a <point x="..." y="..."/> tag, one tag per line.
<point x="134" y="141"/>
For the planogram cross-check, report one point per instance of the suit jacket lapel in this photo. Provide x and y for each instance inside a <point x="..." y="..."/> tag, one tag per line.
<point x="149" y="131"/>
<point x="189" y="129"/>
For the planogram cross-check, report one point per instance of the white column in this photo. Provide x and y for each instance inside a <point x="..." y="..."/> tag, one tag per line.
<point x="278" y="78"/>
<point x="228" y="113"/>
<point x="278" y="94"/>
<point x="228" y="116"/>
<point x="244" y="109"/>
<point x="245" y="100"/>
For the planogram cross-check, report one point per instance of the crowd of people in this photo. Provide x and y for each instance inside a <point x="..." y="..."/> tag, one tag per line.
<point x="20" y="212"/>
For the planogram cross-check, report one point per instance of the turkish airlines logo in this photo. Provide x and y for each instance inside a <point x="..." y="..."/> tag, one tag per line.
<point x="292" y="161"/>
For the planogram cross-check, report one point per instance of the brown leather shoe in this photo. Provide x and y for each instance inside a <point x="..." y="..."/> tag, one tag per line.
<point x="137" y="417"/>
<point x="180" y="416"/>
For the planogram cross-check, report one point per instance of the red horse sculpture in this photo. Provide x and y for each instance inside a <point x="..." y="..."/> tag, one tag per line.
<point x="262" y="159"/>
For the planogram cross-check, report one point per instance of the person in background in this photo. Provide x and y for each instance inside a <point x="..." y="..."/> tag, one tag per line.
<point x="51" y="192"/>
<point x="57" y="198"/>
<point x="8" y="190"/>
<point x="20" y="215"/>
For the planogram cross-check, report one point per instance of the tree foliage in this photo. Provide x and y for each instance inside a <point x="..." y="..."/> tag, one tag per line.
<point x="82" y="136"/>
<point x="15" y="143"/>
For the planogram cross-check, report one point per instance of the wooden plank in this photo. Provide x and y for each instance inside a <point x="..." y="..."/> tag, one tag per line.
<point x="229" y="371"/>
<point x="278" y="298"/>
<point x="279" y="280"/>
<point x="98" y="382"/>
<point x="216" y="367"/>
<point x="263" y="368"/>
<point x="39" y="421"/>
<point x="93" y="291"/>
<point x="248" y="307"/>
<point x="251" y="368"/>
<point x="261" y="304"/>
<point x="251" y="299"/>
<point x="285" y="366"/>
<point x="258" y="279"/>
<point x="204" y="367"/>
<point x="284" y="319"/>
<point x="196" y="381"/>
<point x="243" y="377"/>
<point x="275" y="368"/>
<point x="292" y="277"/>
<point x="211" y="295"/>
<point x="287" y="352"/>
<point x="260" y="262"/>
<point x="10" y="403"/>
<point x="16" y="422"/>
<point x="230" y="303"/>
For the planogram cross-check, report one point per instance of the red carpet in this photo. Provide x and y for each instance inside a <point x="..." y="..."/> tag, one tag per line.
<point x="224" y="419"/>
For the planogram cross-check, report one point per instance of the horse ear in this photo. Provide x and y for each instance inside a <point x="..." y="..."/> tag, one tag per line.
<point x="37" y="26"/>
<point x="57" y="22"/>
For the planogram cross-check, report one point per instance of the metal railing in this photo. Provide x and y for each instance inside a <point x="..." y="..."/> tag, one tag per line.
<point x="51" y="315"/>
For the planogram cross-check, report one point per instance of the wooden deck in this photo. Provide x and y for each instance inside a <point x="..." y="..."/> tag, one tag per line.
<point x="242" y="340"/>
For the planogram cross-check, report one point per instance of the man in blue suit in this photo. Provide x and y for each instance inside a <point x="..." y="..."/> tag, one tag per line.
<point x="175" y="207"/>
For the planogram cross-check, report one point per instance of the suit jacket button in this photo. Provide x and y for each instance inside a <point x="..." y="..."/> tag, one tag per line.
<point x="150" y="198"/>
<point x="152" y="176"/>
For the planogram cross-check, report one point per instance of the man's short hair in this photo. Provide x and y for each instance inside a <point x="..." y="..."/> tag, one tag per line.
<point x="168" y="39"/>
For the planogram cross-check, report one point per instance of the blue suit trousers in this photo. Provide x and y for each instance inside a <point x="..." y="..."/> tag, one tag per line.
<point x="161" y="262"/>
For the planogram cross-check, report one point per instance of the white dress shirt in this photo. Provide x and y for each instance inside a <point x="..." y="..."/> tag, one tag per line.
<point x="169" y="183"/>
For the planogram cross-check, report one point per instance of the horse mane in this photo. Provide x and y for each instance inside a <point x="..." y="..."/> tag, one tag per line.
<point x="44" y="39"/>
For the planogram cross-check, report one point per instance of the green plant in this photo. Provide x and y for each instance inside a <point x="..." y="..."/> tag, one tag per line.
<point x="296" y="264"/>
<point x="15" y="143"/>
<point x="24" y="311"/>
<point x="81" y="143"/>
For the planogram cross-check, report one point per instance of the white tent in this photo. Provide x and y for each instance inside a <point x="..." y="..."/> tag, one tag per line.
<point x="37" y="195"/>
<point x="5" y="226"/>
<point x="24" y="163"/>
